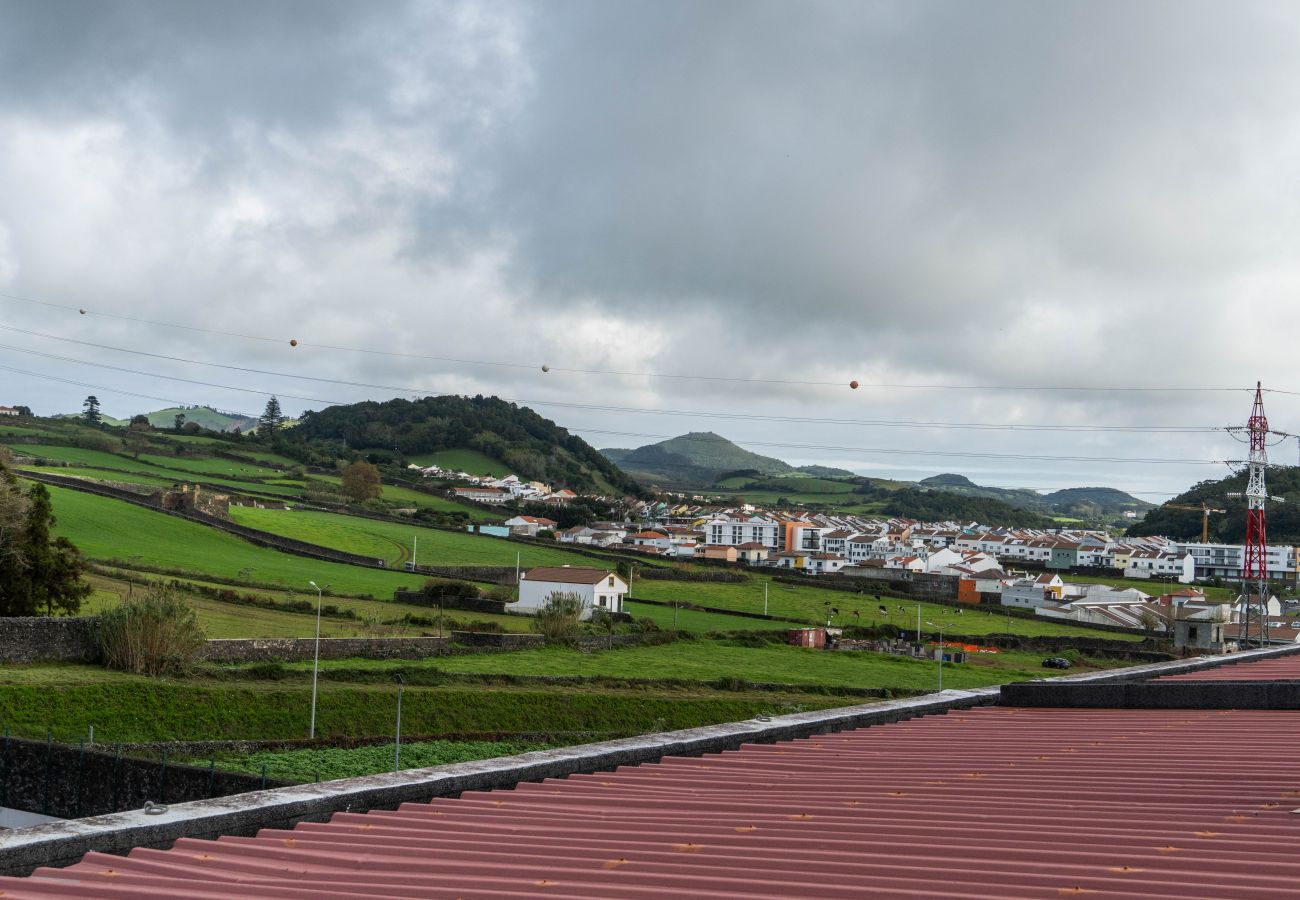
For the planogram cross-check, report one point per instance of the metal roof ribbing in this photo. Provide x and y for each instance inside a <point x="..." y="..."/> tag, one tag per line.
<point x="1277" y="668"/>
<point x="990" y="802"/>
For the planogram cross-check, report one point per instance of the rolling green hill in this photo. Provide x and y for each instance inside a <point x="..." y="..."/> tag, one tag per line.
<point x="1083" y="502"/>
<point x="701" y="457"/>
<point x="519" y="439"/>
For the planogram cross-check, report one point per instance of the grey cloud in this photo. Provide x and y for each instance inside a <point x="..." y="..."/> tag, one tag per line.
<point x="1001" y="192"/>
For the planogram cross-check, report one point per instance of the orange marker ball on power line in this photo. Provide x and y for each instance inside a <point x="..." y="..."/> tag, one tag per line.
<point x="293" y="342"/>
<point x="853" y="384"/>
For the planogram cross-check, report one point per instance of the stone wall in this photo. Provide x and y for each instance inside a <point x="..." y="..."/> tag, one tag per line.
<point x="41" y="639"/>
<point x="241" y="650"/>
<point x="499" y="641"/>
<point x="467" y="604"/>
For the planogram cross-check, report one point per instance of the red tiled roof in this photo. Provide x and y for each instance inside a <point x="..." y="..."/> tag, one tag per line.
<point x="992" y="802"/>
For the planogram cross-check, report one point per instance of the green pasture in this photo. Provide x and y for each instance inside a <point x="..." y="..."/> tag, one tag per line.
<point x="471" y="462"/>
<point x="695" y="620"/>
<point x="811" y="604"/>
<point x="106" y="529"/>
<point x="710" y="660"/>
<point x="393" y="542"/>
<point x="67" y="700"/>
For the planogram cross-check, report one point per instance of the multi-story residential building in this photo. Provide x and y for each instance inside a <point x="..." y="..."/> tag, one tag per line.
<point x="736" y="530"/>
<point x="1161" y="564"/>
<point x="1226" y="560"/>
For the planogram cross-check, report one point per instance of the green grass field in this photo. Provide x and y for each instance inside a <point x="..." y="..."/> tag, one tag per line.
<point x="471" y="462"/>
<point x="107" y="529"/>
<point x="67" y="700"/>
<point x="710" y="660"/>
<point x="809" y="603"/>
<point x="694" y="620"/>
<point x="110" y="467"/>
<point x="393" y="542"/>
<point x="100" y="475"/>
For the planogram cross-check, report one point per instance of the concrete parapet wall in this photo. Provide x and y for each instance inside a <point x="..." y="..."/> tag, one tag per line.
<point x="63" y="843"/>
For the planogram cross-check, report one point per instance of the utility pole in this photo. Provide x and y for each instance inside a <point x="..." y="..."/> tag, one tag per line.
<point x="315" y="665"/>
<point x="516" y="568"/>
<point x="765" y="597"/>
<point x="415" y="552"/>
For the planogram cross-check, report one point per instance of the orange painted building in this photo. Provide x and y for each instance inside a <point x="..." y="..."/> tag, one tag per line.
<point x="967" y="592"/>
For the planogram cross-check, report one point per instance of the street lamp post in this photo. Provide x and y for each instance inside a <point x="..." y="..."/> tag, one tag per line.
<point x="315" y="665"/>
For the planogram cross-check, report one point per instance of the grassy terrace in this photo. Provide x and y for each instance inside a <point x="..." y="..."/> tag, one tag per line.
<point x="393" y="542"/>
<point x="809" y="603"/>
<point x="710" y="660"/>
<point x="106" y="529"/>
<point x="127" y="708"/>
<point x="471" y="462"/>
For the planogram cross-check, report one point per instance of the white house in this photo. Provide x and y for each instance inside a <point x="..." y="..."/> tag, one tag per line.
<point x="529" y="525"/>
<point x="596" y="588"/>
<point x="482" y="494"/>
<point x="1160" y="564"/>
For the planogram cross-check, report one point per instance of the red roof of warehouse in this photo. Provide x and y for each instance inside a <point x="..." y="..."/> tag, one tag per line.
<point x="994" y="802"/>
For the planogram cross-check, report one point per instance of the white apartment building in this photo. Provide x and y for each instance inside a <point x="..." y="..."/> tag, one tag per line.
<point x="732" y="531"/>
<point x="1225" y="560"/>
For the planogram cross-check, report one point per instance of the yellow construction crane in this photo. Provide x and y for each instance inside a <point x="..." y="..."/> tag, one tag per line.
<point x="1204" y="509"/>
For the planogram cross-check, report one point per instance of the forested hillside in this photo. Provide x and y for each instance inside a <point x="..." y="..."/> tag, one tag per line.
<point x="527" y="444"/>
<point x="1229" y="526"/>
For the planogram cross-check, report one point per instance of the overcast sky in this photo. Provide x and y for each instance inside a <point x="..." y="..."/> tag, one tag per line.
<point x="1078" y="194"/>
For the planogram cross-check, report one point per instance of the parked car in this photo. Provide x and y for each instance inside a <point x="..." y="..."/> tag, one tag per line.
<point x="1056" y="662"/>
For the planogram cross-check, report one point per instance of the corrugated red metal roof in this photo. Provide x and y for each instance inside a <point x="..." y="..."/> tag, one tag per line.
<point x="993" y="802"/>
<point x="1277" y="668"/>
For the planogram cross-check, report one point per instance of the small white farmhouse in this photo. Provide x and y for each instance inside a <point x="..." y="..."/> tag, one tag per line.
<point x="597" y="588"/>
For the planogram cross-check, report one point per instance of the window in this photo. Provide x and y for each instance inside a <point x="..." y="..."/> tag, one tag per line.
<point x="611" y="581"/>
<point x="601" y="601"/>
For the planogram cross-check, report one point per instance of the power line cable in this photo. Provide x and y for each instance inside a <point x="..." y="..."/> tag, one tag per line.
<point x="884" y="450"/>
<point x="828" y="448"/>
<point x="980" y="426"/>
<point x="627" y="374"/>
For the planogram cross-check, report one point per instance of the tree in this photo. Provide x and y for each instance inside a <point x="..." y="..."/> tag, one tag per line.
<point x="24" y="410"/>
<point x="137" y="436"/>
<point x="271" y="419"/>
<point x="361" y="482"/>
<point x="178" y="422"/>
<point x="13" y="519"/>
<point x="90" y="410"/>
<point x="38" y="573"/>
